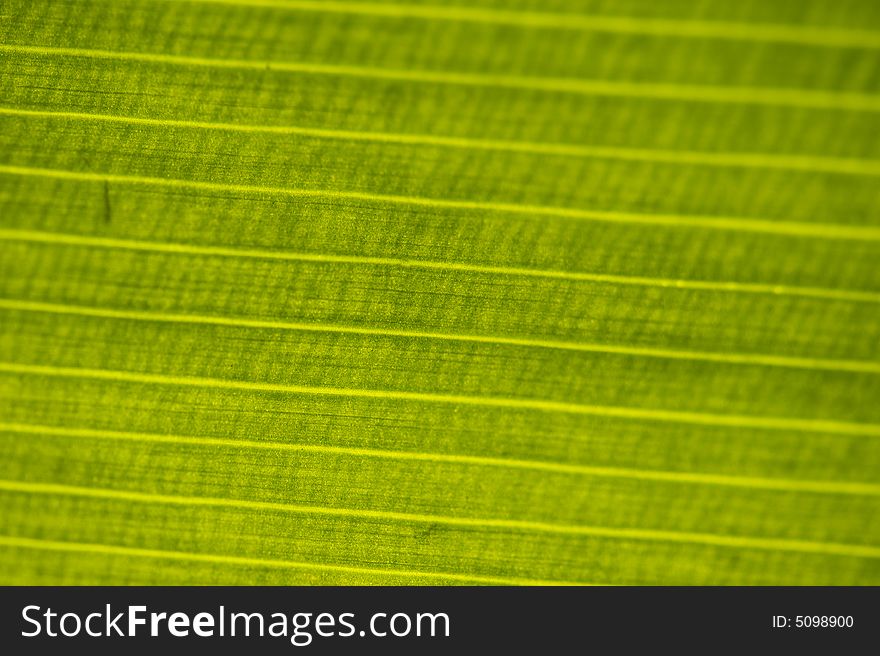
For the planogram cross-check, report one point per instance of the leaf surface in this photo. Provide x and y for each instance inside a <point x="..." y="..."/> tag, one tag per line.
<point x="487" y="292"/>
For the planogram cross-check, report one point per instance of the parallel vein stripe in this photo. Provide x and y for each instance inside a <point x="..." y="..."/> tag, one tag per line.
<point x="649" y="414"/>
<point x="764" y="226"/>
<point x="245" y="561"/>
<point x="855" y="366"/>
<point x="67" y="239"/>
<point x="798" y="163"/>
<point x="769" y="96"/>
<point x="694" y="478"/>
<point x="650" y="535"/>
<point x="668" y="27"/>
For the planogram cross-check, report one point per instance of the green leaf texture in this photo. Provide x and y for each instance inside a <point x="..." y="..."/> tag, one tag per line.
<point x="466" y="292"/>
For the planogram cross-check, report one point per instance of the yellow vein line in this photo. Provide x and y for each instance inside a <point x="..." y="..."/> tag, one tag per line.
<point x="244" y="561"/>
<point x="651" y="535"/>
<point x="650" y="414"/>
<point x="764" y="226"/>
<point x="854" y="366"/>
<point x="40" y="237"/>
<point x="798" y="163"/>
<point x="759" y="32"/>
<point x="769" y="96"/>
<point x="695" y="478"/>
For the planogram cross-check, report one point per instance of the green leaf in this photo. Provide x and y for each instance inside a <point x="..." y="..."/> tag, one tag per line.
<point x="472" y="292"/>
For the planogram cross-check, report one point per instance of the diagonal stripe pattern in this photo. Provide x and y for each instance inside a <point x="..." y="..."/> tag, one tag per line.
<point x="394" y="292"/>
